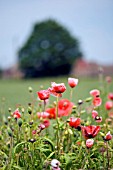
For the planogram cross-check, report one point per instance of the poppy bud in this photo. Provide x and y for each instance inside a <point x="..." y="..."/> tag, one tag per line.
<point x="88" y="99"/>
<point x="19" y="122"/>
<point x="108" y="136"/>
<point x="29" y="110"/>
<point x="30" y="89"/>
<point x="89" y="143"/>
<point x="10" y="132"/>
<point x="72" y="82"/>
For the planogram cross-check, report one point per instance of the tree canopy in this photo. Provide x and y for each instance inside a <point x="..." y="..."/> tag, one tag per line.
<point x="50" y="50"/>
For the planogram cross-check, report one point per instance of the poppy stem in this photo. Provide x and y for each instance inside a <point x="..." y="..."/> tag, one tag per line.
<point x="57" y="132"/>
<point x="71" y="94"/>
<point x="107" y="156"/>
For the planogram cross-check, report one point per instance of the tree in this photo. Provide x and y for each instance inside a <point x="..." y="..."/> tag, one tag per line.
<point x="50" y="50"/>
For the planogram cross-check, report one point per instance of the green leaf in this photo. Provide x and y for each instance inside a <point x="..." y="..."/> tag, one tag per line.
<point x="18" y="145"/>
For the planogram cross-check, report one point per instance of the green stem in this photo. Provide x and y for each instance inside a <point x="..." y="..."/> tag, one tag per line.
<point x="71" y="93"/>
<point x="57" y="132"/>
<point x="107" y="167"/>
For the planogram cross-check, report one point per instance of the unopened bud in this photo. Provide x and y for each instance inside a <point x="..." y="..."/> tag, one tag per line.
<point x="74" y="107"/>
<point x="9" y="132"/>
<point x="9" y="118"/>
<point x="30" y="89"/>
<point x="80" y="102"/>
<point x="19" y="122"/>
<point x="9" y="110"/>
<point x="29" y="110"/>
<point x="88" y="99"/>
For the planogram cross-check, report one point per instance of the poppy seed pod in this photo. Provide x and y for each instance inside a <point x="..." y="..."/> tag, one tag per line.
<point x="19" y="122"/>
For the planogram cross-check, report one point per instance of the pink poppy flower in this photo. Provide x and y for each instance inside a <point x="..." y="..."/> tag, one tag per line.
<point x="98" y="119"/>
<point x="89" y="143"/>
<point x="43" y="94"/>
<point x="43" y="115"/>
<point x="46" y="122"/>
<point x="55" y="164"/>
<point x="108" y="136"/>
<point x="110" y="96"/>
<point x="90" y="131"/>
<point x="94" y="114"/>
<point x="72" y="82"/>
<point x="97" y="101"/>
<point x="95" y="93"/>
<point x="16" y="114"/>
<point x="108" y="105"/>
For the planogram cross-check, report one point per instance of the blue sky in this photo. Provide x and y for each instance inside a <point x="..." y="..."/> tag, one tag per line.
<point x="89" y="20"/>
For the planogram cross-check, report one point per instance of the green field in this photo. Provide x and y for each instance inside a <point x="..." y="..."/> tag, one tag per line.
<point x="14" y="92"/>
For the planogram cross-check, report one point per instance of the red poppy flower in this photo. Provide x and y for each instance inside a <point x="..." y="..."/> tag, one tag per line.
<point x="46" y="122"/>
<point x="52" y="113"/>
<point x="58" y="88"/>
<point x="74" y="122"/>
<point x="53" y="93"/>
<point x="72" y="82"/>
<point x="108" y="136"/>
<point x="89" y="143"/>
<point x="110" y="96"/>
<point x="64" y="107"/>
<point x="43" y="94"/>
<point x="90" y="131"/>
<point x="108" y="105"/>
<point x="97" y="101"/>
<point x="95" y="93"/>
<point x="16" y="114"/>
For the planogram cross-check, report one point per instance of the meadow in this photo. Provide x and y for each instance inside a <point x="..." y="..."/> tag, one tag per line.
<point x="15" y="92"/>
<point x="66" y="125"/>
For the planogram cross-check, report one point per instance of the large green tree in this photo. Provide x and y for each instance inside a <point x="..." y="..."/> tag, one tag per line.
<point x="50" y="50"/>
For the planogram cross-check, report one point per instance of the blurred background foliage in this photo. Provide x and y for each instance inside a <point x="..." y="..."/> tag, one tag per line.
<point x="49" y="51"/>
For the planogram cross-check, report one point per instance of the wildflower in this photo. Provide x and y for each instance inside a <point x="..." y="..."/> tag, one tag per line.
<point x="74" y="122"/>
<point x="95" y="93"/>
<point x="108" y="136"/>
<point x="72" y="82"/>
<point x="46" y="123"/>
<point x="43" y="94"/>
<point x="43" y="115"/>
<point x="41" y="127"/>
<point x="58" y="88"/>
<point x="96" y="117"/>
<point x="51" y="111"/>
<point x="90" y="131"/>
<point x="94" y="114"/>
<point x="89" y="143"/>
<point x="97" y="101"/>
<point x="110" y="96"/>
<point x="53" y="93"/>
<point x="55" y="164"/>
<point x="16" y="114"/>
<point x="64" y="107"/>
<point x="108" y="105"/>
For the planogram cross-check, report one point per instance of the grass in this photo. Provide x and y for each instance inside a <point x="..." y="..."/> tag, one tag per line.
<point x="15" y="92"/>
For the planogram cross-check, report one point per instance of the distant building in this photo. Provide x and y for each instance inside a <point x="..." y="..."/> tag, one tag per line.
<point x="12" y="72"/>
<point x="90" y="69"/>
